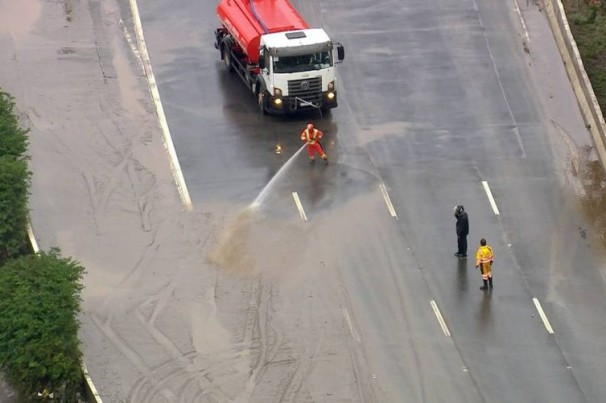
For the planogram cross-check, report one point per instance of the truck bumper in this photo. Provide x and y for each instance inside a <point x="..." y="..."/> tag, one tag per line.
<point x="284" y="105"/>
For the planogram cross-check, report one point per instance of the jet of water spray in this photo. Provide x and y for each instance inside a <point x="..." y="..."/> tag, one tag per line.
<point x="263" y="194"/>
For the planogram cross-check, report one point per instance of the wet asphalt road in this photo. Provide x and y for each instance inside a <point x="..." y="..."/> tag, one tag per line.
<point x="435" y="97"/>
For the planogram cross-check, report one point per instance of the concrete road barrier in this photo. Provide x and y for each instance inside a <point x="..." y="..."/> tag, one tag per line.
<point x="590" y="109"/>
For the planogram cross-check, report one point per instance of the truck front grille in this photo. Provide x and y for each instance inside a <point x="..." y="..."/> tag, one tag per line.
<point x="300" y="92"/>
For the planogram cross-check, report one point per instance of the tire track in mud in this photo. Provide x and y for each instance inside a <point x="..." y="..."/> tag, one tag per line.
<point x="151" y="385"/>
<point x="184" y="375"/>
<point x="268" y="343"/>
<point x="259" y="334"/>
<point x="285" y="322"/>
<point x="140" y="180"/>
<point x="304" y="365"/>
<point x="180" y="366"/>
<point x="158" y="304"/>
<point x="337" y="288"/>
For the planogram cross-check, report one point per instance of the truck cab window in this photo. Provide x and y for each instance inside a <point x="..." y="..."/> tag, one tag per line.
<point x="293" y="64"/>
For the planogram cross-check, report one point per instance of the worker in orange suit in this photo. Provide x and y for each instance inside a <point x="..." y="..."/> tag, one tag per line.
<point x="312" y="137"/>
<point x="484" y="259"/>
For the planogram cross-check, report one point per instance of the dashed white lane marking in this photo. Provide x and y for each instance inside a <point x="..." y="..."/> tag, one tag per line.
<point x="153" y="87"/>
<point x="537" y="304"/>
<point x="392" y="211"/>
<point x="295" y="196"/>
<point x="515" y="130"/>
<point x="354" y="334"/>
<point x="436" y="310"/>
<point x="517" y="8"/>
<point x="493" y="204"/>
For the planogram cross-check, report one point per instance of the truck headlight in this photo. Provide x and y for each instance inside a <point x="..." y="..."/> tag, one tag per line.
<point x="330" y="96"/>
<point x="277" y="92"/>
<point x="331" y="86"/>
<point x="278" y="102"/>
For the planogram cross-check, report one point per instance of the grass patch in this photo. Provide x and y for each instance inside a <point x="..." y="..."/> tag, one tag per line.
<point x="587" y="20"/>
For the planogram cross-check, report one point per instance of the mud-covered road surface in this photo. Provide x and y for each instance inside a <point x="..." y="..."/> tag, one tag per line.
<point x="161" y="321"/>
<point x="251" y="297"/>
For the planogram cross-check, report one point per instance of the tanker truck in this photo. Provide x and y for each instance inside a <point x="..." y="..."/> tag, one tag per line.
<point x="286" y="64"/>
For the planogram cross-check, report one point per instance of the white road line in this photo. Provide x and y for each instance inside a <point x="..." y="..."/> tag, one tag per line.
<point x="132" y="44"/>
<point x="392" y="211"/>
<point x="295" y="196"/>
<point x="500" y="81"/>
<point x="354" y="334"/>
<point x="490" y="198"/>
<point x="32" y="238"/>
<point x="537" y="304"/>
<point x="436" y="310"/>
<point x="153" y="87"/>
<point x="91" y="386"/>
<point x="517" y="8"/>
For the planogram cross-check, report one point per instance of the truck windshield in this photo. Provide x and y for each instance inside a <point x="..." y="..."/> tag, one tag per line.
<point x="293" y="64"/>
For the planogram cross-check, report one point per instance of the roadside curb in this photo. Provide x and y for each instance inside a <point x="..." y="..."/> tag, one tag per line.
<point x="92" y="395"/>
<point x="91" y="392"/>
<point x="586" y="99"/>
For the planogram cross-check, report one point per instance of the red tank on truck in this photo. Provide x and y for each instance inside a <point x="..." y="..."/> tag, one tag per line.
<point x="287" y="65"/>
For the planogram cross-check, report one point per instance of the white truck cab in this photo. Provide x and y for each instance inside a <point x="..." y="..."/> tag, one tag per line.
<point x="297" y="71"/>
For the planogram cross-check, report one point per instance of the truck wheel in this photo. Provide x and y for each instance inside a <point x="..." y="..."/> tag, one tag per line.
<point x="261" y="100"/>
<point x="227" y="58"/>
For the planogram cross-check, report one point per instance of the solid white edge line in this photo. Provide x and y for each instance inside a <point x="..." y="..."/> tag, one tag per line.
<point x="153" y="87"/>
<point x="493" y="204"/>
<point x="436" y="310"/>
<point x="517" y="8"/>
<point x="32" y="238"/>
<point x="295" y="196"/>
<point x="132" y="44"/>
<point x="392" y="211"/>
<point x="354" y="334"/>
<point x="91" y="386"/>
<point x="537" y="304"/>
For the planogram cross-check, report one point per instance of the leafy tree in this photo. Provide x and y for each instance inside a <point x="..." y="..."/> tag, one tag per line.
<point x="39" y="346"/>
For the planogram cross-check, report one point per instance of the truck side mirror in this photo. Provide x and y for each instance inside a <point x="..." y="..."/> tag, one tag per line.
<point x="340" y="53"/>
<point x="262" y="58"/>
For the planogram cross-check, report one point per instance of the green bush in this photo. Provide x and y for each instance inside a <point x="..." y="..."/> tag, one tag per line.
<point x="39" y="346"/>
<point x="39" y="294"/>
<point x="13" y="139"/>
<point x="14" y="182"/>
<point x="14" y="189"/>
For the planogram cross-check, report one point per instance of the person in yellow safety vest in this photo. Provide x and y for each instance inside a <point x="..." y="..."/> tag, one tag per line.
<point x="484" y="259"/>
<point x="312" y="137"/>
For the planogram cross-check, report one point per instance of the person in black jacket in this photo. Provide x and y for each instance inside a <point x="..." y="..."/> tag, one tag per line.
<point x="462" y="231"/>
